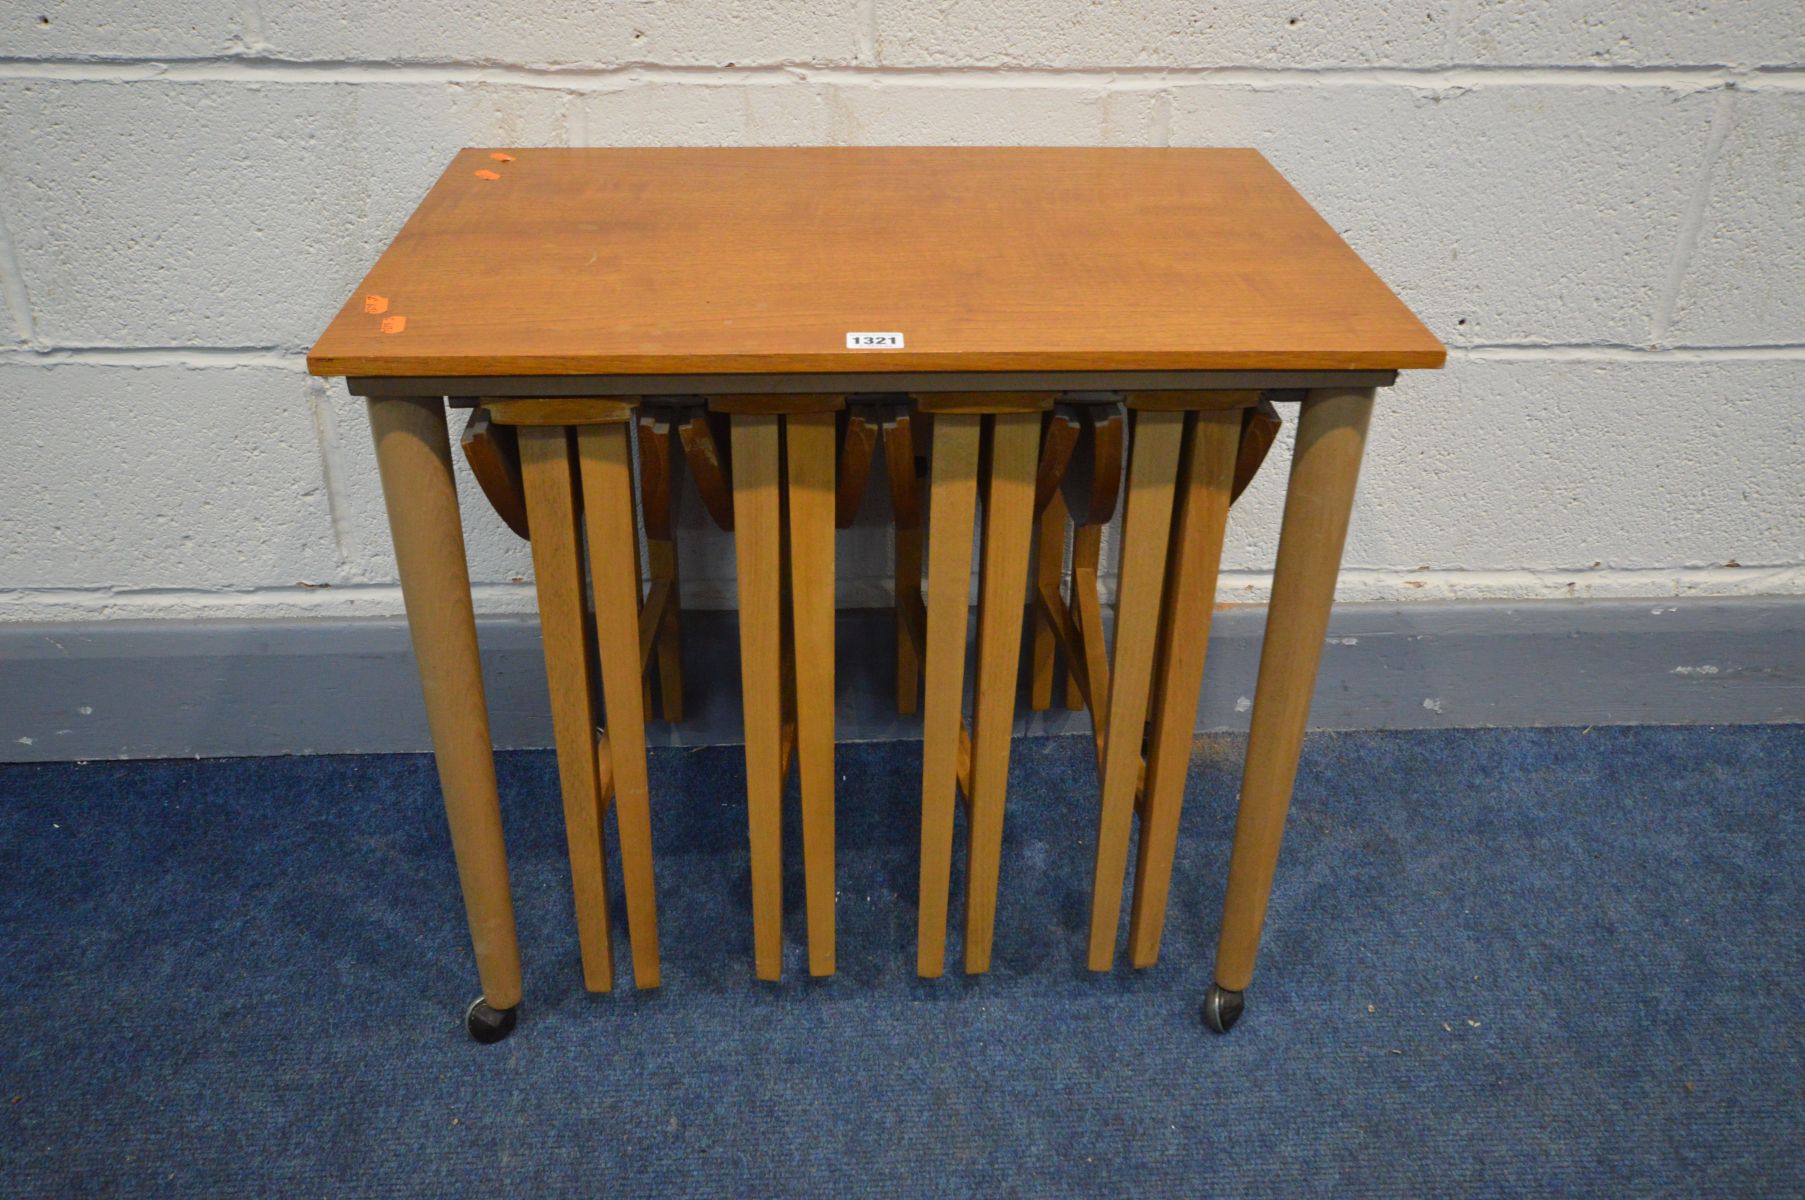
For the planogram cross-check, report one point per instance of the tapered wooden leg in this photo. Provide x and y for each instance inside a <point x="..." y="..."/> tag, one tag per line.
<point x="809" y="460"/>
<point x="1002" y="590"/>
<point x="1146" y="528"/>
<point x="661" y="566"/>
<point x="1049" y="569"/>
<point x="852" y="471"/>
<point x="658" y="480"/>
<point x="608" y="512"/>
<point x="549" y="481"/>
<point x="953" y="495"/>
<point x="641" y="573"/>
<point x="1331" y="434"/>
<point x="905" y="505"/>
<point x="1195" y="559"/>
<point x="757" y="525"/>
<point x="1087" y="620"/>
<point x="909" y="651"/>
<point x="413" y="454"/>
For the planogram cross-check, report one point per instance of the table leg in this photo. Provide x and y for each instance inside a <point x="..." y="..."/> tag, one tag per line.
<point x="809" y="462"/>
<point x="1002" y="590"/>
<point x="658" y="487"/>
<point x="1049" y="569"/>
<point x="548" y="479"/>
<point x="413" y="454"/>
<point x="1331" y="435"/>
<point x="1146" y="531"/>
<point x="1196" y="558"/>
<point x="1087" y="620"/>
<point x="661" y="566"/>
<point x="608" y="511"/>
<point x="640" y="596"/>
<point x="899" y="464"/>
<point x="757" y="531"/>
<point x="908" y="651"/>
<point x="952" y="509"/>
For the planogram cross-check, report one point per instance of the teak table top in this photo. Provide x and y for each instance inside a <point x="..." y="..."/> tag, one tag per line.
<point x="713" y="261"/>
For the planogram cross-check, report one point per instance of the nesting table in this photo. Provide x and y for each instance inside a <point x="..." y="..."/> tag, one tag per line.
<point x="983" y="282"/>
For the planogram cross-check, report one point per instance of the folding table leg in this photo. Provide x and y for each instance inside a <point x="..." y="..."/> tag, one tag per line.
<point x="608" y="512"/>
<point x="1002" y="591"/>
<point x="908" y="648"/>
<point x="757" y="528"/>
<point x="658" y="480"/>
<point x="661" y="567"/>
<point x="413" y="454"/>
<point x="1146" y="529"/>
<point x="1331" y="436"/>
<point x="905" y="505"/>
<point x="1196" y="557"/>
<point x="809" y="462"/>
<point x="952" y="509"/>
<point x="548" y="479"/>
<point x="1087" y="620"/>
<point x="1049" y="568"/>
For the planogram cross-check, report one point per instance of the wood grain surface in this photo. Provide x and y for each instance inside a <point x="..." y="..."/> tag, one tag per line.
<point x="667" y="260"/>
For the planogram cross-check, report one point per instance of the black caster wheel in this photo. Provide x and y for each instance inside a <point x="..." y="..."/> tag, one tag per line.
<point x="1221" y="1008"/>
<point x="488" y="1025"/>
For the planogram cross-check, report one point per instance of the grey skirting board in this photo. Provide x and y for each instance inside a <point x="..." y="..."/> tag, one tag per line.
<point x="156" y="689"/>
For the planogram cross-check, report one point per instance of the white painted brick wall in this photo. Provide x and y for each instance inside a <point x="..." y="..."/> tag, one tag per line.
<point x="1527" y="214"/>
<point x="1598" y="205"/>
<point x="1526" y="477"/>
<point x="1081" y="34"/>
<point x="558" y="32"/>
<point x="224" y="213"/>
<point x="1742" y="285"/>
<point x="135" y="477"/>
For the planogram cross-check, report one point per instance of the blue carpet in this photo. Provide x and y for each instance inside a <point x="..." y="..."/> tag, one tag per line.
<point x="1497" y="963"/>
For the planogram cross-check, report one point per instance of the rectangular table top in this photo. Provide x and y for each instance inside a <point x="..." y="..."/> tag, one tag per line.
<point x="721" y="261"/>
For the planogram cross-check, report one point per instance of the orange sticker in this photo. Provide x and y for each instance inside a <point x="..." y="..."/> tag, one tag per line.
<point x="498" y="156"/>
<point x="376" y="304"/>
<point x="487" y="175"/>
<point x="394" y="324"/>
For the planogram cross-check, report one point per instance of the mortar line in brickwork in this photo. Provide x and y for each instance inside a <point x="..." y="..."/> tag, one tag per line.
<point x="1723" y="117"/>
<point x="378" y="599"/>
<point x="1161" y="132"/>
<point x="865" y="32"/>
<point x="339" y="507"/>
<point x="576" y="119"/>
<point x="1390" y="585"/>
<point x="12" y="287"/>
<point x="1458" y="17"/>
<point x="243" y="68"/>
<point x="288" y="359"/>
<point x="511" y="599"/>
<point x="251" y="27"/>
<point x="1505" y="352"/>
<point x="226" y="357"/>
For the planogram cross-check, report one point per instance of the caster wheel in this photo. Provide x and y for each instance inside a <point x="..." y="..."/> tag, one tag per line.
<point x="487" y="1025"/>
<point x="1221" y="1008"/>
